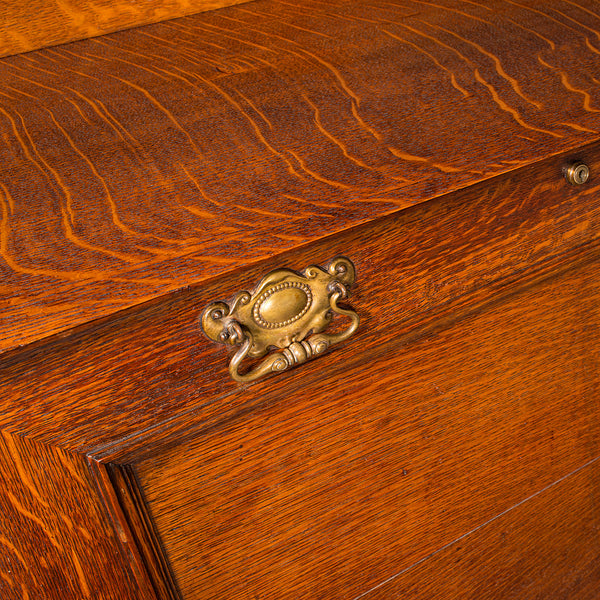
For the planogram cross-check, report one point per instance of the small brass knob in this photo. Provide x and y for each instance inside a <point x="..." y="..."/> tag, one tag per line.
<point x="577" y="173"/>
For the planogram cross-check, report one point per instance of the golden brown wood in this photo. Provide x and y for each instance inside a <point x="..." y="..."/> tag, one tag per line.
<point x="557" y="527"/>
<point x="170" y="386"/>
<point x="56" y="538"/>
<point x="152" y="363"/>
<point x="147" y="160"/>
<point x="146" y="173"/>
<point x="121" y="493"/>
<point x="32" y="24"/>
<point x="328" y="488"/>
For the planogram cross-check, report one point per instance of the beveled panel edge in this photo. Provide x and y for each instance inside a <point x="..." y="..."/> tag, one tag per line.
<point x="38" y="24"/>
<point x="124" y="503"/>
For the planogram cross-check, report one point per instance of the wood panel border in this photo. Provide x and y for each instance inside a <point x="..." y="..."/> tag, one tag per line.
<point x="26" y="26"/>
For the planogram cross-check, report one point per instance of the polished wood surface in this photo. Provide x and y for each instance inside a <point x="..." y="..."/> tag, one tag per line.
<point x="149" y="172"/>
<point x="27" y="25"/>
<point x="558" y="526"/>
<point x="56" y="540"/>
<point x="176" y="405"/>
<point x="152" y="363"/>
<point x="350" y="475"/>
<point x="147" y="160"/>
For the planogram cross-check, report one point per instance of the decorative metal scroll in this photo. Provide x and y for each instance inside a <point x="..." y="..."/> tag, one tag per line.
<point x="286" y="315"/>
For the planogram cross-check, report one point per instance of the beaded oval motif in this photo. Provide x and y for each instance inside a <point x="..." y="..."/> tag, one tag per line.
<point x="282" y="304"/>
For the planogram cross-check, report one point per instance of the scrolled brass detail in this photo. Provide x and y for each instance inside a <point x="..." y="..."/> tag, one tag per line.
<point x="288" y="312"/>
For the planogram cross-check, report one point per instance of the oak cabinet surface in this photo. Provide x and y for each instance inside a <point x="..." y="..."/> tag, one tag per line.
<point x="448" y="448"/>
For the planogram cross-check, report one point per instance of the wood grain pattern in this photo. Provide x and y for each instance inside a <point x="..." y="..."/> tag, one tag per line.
<point x="144" y="161"/>
<point x="146" y="173"/>
<point x="557" y="530"/>
<point x="170" y="388"/>
<point x="26" y="26"/>
<point x="56" y="537"/>
<point x="119" y="487"/>
<point x="344" y="478"/>
<point x="153" y="366"/>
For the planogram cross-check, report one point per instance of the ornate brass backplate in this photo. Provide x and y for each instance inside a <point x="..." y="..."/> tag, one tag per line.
<point x="287" y="314"/>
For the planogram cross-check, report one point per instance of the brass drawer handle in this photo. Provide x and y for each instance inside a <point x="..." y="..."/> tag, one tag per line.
<point x="283" y="310"/>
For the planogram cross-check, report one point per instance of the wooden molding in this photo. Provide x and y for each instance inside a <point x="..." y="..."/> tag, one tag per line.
<point x="26" y="26"/>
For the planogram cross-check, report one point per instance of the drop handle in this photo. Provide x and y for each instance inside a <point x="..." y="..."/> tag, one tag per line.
<point x="284" y="321"/>
<point x="577" y="173"/>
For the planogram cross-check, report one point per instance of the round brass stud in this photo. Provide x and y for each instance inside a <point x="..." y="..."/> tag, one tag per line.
<point x="577" y="173"/>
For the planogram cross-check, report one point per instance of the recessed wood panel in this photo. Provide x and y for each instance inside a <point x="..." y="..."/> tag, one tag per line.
<point x="31" y="24"/>
<point x="330" y="484"/>
<point x="547" y="547"/>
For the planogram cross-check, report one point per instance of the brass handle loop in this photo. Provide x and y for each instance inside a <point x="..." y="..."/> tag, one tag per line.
<point x="287" y="311"/>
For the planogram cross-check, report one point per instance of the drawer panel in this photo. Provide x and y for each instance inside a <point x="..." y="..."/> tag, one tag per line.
<point x="547" y="548"/>
<point x="151" y="364"/>
<point x="331" y="484"/>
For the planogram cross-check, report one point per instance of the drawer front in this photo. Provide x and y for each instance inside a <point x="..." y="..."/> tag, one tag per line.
<point x="152" y="363"/>
<point x="329" y="486"/>
<point x="470" y="386"/>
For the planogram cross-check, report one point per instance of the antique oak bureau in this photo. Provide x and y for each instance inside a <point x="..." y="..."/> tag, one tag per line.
<point x="299" y="299"/>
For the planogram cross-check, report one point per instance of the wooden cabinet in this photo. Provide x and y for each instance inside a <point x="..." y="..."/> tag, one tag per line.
<point x="448" y="448"/>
